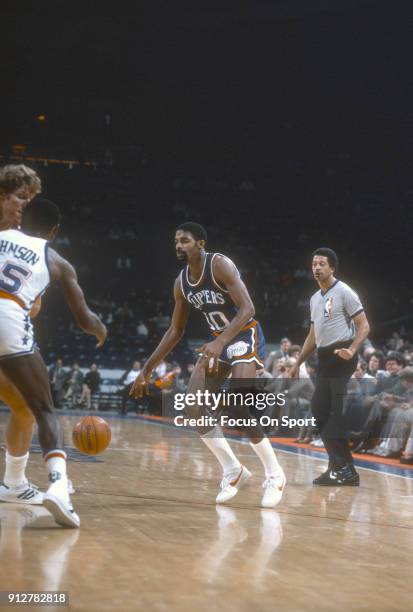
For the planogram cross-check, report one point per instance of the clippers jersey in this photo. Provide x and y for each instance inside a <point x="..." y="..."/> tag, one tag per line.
<point x="208" y="297"/>
<point x="24" y="272"/>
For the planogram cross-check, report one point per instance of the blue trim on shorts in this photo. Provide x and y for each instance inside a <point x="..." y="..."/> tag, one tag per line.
<point x="28" y="352"/>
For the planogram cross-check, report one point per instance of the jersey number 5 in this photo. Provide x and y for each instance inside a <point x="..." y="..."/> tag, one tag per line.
<point x="12" y="277"/>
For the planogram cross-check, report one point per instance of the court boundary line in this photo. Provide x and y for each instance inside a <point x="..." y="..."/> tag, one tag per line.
<point x="252" y="507"/>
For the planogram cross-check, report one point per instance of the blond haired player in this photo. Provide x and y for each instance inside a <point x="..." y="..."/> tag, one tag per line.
<point x="27" y="266"/>
<point x="18" y="185"/>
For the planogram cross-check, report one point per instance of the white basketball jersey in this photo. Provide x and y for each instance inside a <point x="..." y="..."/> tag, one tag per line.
<point x="24" y="271"/>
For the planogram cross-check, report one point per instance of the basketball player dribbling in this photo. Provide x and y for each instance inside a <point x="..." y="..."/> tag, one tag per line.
<point x="212" y="285"/>
<point x="27" y="266"/>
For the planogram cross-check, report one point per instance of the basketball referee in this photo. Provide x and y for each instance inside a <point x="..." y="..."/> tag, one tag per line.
<point x="338" y="327"/>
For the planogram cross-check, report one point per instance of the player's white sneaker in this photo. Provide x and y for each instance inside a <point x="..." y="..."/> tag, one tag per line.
<point x="231" y="484"/>
<point x="273" y="490"/>
<point x="318" y="443"/>
<point x="57" y="501"/>
<point x="26" y="493"/>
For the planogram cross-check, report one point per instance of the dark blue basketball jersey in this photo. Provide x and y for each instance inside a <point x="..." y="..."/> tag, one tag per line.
<point x="208" y="297"/>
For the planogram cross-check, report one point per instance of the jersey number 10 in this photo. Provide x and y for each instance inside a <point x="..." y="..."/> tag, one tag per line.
<point x="217" y="321"/>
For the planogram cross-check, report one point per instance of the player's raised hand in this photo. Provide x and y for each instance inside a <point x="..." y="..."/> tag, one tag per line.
<point x="141" y="385"/>
<point x="210" y="354"/>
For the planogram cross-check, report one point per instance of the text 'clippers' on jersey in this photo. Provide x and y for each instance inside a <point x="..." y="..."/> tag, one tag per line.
<point x="208" y="297"/>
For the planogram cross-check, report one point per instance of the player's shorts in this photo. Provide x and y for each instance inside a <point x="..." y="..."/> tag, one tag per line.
<point x="247" y="347"/>
<point x="16" y="330"/>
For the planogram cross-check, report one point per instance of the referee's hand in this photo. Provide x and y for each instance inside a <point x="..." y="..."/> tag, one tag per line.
<point x="344" y="353"/>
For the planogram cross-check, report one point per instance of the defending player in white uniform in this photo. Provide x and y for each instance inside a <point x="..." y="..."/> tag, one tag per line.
<point x="24" y="276"/>
<point x="26" y="268"/>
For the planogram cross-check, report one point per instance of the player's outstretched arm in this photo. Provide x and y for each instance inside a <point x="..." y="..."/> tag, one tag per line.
<point x="64" y="274"/>
<point x="227" y="275"/>
<point x="170" y="339"/>
<point x="308" y="348"/>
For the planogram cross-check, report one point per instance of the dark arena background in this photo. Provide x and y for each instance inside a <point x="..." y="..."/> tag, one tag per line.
<point x="280" y="126"/>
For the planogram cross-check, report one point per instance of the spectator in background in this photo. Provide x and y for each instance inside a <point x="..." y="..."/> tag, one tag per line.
<point x="179" y="383"/>
<point x="161" y="369"/>
<point x="360" y="386"/>
<point x="271" y="363"/>
<point x="367" y="350"/>
<point x="400" y="420"/>
<point x="361" y="370"/>
<point x="394" y="364"/>
<point x="376" y="364"/>
<point x="396" y="343"/>
<point x="300" y="391"/>
<point x="379" y="405"/>
<point x="142" y="331"/>
<point x="127" y="380"/>
<point x="278" y="383"/>
<point x="172" y="380"/>
<point x="58" y="377"/>
<point x="285" y="346"/>
<point x="311" y="367"/>
<point x="294" y="352"/>
<point x="387" y="386"/>
<point x="74" y="385"/>
<point x="262" y="373"/>
<point x="91" y="385"/>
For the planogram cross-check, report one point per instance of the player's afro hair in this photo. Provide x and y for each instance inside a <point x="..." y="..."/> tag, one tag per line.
<point x="40" y="216"/>
<point x="198" y="232"/>
<point x="331" y="256"/>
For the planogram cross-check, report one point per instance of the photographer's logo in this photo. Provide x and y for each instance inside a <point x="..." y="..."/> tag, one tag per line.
<point x="237" y="349"/>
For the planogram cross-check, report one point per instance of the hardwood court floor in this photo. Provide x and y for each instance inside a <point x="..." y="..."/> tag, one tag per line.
<point x="152" y="537"/>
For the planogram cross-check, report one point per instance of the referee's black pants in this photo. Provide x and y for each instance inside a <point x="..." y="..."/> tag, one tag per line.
<point x="327" y="403"/>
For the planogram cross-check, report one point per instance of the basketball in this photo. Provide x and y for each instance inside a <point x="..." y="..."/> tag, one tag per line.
<point x="91" y="435"/>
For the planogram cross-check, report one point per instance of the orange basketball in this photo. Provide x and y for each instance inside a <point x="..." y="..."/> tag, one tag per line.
<point x="91" y="435"/>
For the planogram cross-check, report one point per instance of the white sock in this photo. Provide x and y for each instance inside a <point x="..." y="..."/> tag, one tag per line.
<point x="15" y="468"/>
<point x="217" y="444"/>
<point x="56" y="462"/>
<point x="267" y="456"/>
